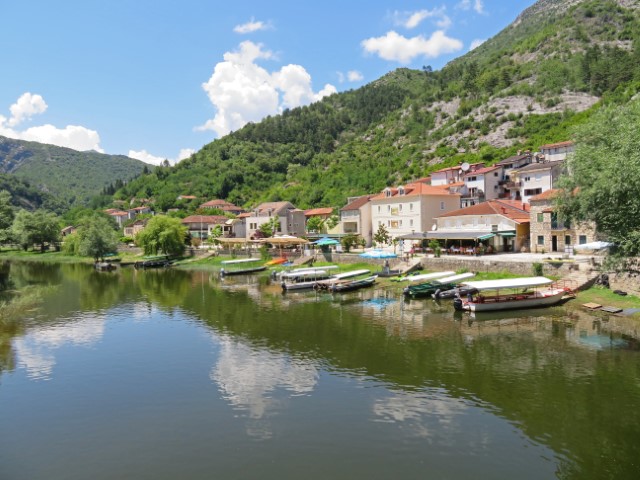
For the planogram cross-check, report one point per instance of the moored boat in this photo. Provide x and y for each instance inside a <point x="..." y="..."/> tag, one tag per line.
<point x="435" y="287"/>
<point x="104" y="266"/>
<point x="242" y="266"/>
<point x="326" y="284"/>
<point x="512" y="294"/>
<point x="153" y="262"/>
<point x="305" y="279"/>
<point x="350" y="285"/>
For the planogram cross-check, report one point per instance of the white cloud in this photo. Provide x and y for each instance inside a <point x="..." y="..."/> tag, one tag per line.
<point x="476" y="5"/>
<point x="243" y="91"/>
<point x="476" y="43"/>
<point x="411" y="20"/>
<point x="354" y="76"/>
<point x="72" y="136"/>
<point x="250" y="26"/>
<point x="25" y="107"/>
<point x="398" y="48"/>
<point x="147" y="157"/>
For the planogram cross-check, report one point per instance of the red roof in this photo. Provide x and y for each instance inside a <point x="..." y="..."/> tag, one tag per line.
<point x="118" y="213"/>
<point x="357" y="203"/>
<point x="546" y="195"/>
<point x="493" y="207"/>
<point x="221" y="204"/>
<point x="412" y="190"/>
<point x="205" y="219"/>
<point x="318" y="211"/>
<point x="481" y="171"/>
<point x="244" y="215"/>
<point x="188" y="197"/>
<point x="557" y="145"/>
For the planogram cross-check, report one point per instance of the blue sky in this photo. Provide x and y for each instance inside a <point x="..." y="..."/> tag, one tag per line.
<point x="160" y="79"/>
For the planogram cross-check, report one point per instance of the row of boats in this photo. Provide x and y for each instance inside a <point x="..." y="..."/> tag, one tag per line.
<point x="467" y="295"/>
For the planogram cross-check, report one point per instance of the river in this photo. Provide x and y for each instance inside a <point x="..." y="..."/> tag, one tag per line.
<point x="166" y="374"/>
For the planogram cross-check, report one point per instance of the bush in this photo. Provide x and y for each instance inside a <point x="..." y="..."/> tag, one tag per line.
<point x="537" y="269"/>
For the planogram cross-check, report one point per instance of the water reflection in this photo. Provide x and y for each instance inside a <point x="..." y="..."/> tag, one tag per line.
<point x="36" y="353"/>
<point x="260" y="381"/>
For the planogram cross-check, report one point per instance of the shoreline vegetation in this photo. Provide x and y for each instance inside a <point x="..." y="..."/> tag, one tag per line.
<point x="29" y="298"/>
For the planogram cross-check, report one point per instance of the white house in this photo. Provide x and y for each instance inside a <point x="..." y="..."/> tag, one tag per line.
<point x="557" y="151"/>
<point x="481" y="184"/>
<point x="535" y="178"/>
<point x="355" y="218"/>
<point x="412" y="208"/>
<point x="290" y="220"/>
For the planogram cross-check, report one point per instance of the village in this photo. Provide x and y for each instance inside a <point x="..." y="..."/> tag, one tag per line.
<point x="469" y="209"/>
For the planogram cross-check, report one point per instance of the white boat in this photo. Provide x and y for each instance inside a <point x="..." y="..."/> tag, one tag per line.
<point x="325" y="284"/>
<point x="304" y="279"/>
<point x="511" y="294"/>
<point x="242" y="266"/>
<point x="283" y="273"/>
<point x="428" y="276"/>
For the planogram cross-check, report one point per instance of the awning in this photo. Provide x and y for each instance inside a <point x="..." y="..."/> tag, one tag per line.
<point x="507" y="234"/>
<point x="458" y="235"/>
<point x="413" y="236"/>
<point x="487" y="236"/>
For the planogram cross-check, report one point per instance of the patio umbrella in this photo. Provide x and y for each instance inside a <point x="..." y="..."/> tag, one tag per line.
<point x="326" y="241"/>
<point x="281" y="240"/>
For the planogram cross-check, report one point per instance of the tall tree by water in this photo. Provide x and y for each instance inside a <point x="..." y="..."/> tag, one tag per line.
<point x="6" y="216"/>
<point x="36" y="228"/>
<point x="163" y="234"/>
<point x="604" y="176"/>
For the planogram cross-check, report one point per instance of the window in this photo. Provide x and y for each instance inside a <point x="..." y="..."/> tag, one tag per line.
<point x="582" y="239"/>
<point x="388" y="208"/>
<point x="441" y="205"/>
<point x="410" y="206"/>
<point x="378" y="208"/>
<point x="253" y="226"/>
<point x="540" y="239"/>
<point x="472" y="179"/>
<point x="411" y="223"/>
<point x="540" y="218"/>
<point x="400" y="207"/>
<point x="567" y="239"/>
<point x="527" y="179"/>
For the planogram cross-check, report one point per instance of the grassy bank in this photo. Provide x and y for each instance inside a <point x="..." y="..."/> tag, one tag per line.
<point x="21" y="301"/>
<point x="604" y="296"/>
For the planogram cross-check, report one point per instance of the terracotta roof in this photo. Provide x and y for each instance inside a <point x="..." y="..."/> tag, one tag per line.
<point x="557" y="145"/>
<point x="221" y="204"/>
<point x="493" y="207"/>
<point x="481" y="171"/>
<point x="546" y="195"/>
<point x="140" y="208"/>
<point x="244" y="215"/>
<point x="118" y="213"/>
<point x="273" y="206"/>
<point x="414" y="189"/>
<point x="187" y="197"/>
<point x="457" y="167"/>
<point x="318" y="211"/>
<point x="205" y="219"/>
<point x="357" y="203"/>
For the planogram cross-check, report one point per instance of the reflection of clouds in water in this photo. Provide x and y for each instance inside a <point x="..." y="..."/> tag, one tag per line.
<point x="36" y="351"/>
<point x="249" y="377"/>
<point x="424" y="412"/>
<point x="142" y="311"/>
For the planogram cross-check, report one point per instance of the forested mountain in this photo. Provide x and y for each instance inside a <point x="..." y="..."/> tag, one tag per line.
<point x="529" y="85"/>
<point x="71" y="177"/>
<point x="23" y="195"/>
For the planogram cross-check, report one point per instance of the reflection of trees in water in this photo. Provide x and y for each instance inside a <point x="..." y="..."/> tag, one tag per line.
<point x="5" y="280"/>
<point x="165" y="287"/>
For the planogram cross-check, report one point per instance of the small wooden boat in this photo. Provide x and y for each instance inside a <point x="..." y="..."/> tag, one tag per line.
<point x="350" y="285"/>
<point x="435" y="287"/>
<point x="242" y="266"/>
<point x="153" y="262"/>
<point x="512" y="294"/>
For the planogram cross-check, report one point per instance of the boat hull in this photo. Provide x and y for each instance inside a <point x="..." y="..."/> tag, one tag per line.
<point x="349" y="286"/>
<point x="243" y="271"/>
<point x="512" y="302"/>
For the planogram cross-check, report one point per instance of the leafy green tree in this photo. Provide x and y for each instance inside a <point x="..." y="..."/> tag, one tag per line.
<point x="6" y="216"/>
<point x="36" y="228"/>
<point x="604" y="177"/>
<point x="349" y="241"/>
<point x="270" y="228"/>
<point x="381" y="237"/>
<point x="216" y="232"/>
<point x="96" y="237"/>
<point x="163" y="234"/>
<point x="316" y="224"/>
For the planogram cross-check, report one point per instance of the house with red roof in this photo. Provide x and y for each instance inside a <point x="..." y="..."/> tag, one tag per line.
<point x="355" y="218"/>
<point x="553" y="152"/>
<point x="290" y="220"/>
<point x="549" y="233"/>
<point x="449" y="175"/>
<point x="481" y="184"/>
<point x="501" y="224"/>
<point x="411" y="208"/>
<point x="222" y="205"/>
<point x="535" y="178"/>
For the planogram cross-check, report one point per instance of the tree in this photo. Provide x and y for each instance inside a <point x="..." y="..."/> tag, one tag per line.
<point x="39" y="227"/>
<point x="96" y="237"/>
<point x="381" y="236"/>
<point x="163" y="234"/>
<point x="216" y="232"/>
<point x="316" y="224"/>
<point x="268" y="229"/>
<point x="604" y="177"/>
<point x="349" y="241"/>
<point x="6" y="216"/>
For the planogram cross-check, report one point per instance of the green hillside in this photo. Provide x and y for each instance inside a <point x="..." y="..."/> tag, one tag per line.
<point x="72" y="177"/>
<point x="529" y="85"/>
<point x="25" y="196"/>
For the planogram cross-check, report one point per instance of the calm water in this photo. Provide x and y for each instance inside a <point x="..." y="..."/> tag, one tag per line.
<point x="173" y="374"/>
